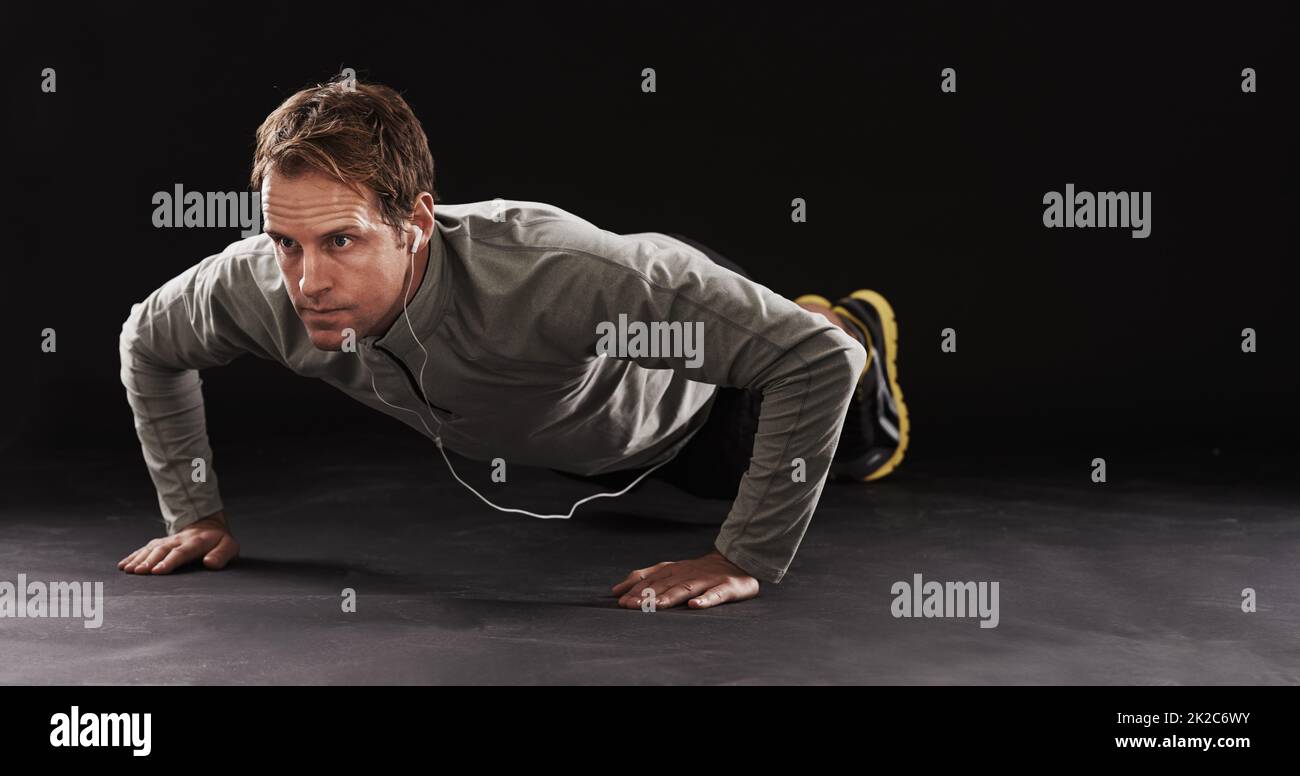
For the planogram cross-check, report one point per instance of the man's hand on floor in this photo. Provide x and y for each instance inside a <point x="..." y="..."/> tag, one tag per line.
<point x="703" y="582"/>
<point x="209" y="539"/>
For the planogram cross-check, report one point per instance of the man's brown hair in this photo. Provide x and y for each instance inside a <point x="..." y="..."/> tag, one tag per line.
<point x="358" y="133"/>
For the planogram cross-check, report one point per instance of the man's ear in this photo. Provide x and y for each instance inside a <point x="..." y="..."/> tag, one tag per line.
<point x="422" y="215"/>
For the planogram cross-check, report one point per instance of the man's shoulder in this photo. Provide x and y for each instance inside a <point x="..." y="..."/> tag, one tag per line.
<point x="244" y="282"/>
<point x="523" y="233"/>
<point x="249" y="264"/>
<point x="492" y="215"/>
<point x="514" y="225"/>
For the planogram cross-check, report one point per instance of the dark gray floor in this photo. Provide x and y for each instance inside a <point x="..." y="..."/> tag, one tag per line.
<point x="1135" y="581"/>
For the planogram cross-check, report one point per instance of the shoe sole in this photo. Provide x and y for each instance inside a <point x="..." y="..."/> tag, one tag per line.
<point x="890" y="326"/>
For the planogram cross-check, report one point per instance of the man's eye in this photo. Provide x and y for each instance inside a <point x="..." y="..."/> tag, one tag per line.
<point x="284" y="243"/>
<point x="338" y="237"/>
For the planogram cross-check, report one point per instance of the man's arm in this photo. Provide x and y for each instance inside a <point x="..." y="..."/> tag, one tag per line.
<point x="190" y="323"/>
<point x="805" y="366"/>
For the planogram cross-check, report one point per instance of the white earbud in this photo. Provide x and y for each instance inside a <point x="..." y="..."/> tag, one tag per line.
<point x="419" y="235"/>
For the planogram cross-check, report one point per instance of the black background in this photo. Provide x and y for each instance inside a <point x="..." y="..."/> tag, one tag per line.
<point x="1071" y="342"/>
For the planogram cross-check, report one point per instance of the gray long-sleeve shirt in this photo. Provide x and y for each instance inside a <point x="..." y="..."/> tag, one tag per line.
<point x="510" y="310"/>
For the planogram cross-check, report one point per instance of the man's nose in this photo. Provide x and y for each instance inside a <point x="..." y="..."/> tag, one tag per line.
<point x="315" y="278"/>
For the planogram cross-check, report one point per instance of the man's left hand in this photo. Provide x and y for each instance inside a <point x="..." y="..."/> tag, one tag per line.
<point x="702" y="582"/>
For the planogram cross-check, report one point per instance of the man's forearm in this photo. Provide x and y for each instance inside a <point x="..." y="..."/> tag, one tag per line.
<point x="169" y="421"/>
<point x="798" y="432"/>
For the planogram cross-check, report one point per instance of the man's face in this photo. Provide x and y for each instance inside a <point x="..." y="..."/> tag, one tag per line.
<point x="340" y="262"/>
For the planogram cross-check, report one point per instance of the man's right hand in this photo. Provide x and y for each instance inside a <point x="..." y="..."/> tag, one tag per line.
<point x="208" y="538"/>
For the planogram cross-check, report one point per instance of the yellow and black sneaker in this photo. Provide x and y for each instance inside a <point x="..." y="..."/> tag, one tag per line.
<point x="875" y="432"/>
